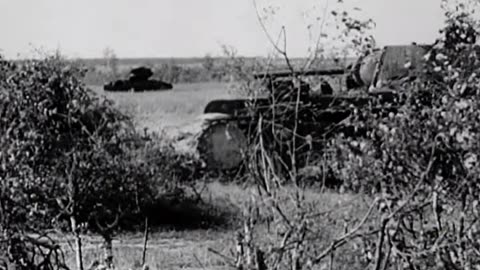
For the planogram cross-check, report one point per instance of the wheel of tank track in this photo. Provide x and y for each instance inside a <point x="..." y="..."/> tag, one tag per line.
<point x="222" y="146"/>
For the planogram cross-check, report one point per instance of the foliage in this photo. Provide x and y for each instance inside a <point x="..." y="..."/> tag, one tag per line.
<point x="300" y="234"/>
<point x="71" y="160"/>
<point x="421" y="160"/>
<point x="415" y="161"/>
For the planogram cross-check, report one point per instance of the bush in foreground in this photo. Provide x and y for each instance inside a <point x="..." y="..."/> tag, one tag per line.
<point x="421" y="162"/>
<point x="416" y="171"/>
<point x="70" y="160"/>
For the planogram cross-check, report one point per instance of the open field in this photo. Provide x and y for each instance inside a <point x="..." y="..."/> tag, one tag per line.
<point x="171" y="109"/>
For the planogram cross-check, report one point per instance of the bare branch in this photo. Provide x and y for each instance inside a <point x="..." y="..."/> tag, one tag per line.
<point x="281" y="51"/>
<point x="335" y="244"/>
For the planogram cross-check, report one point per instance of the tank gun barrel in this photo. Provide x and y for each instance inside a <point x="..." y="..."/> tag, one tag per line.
<point x="288" y="73"/>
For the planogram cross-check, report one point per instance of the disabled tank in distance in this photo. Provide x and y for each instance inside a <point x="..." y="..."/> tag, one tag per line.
<point x="138" y="81"/>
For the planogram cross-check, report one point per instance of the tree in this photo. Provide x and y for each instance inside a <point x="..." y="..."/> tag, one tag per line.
<point x="111" y="62"/>
<point x="69" y="160"/>
<point x="208" y="63"/>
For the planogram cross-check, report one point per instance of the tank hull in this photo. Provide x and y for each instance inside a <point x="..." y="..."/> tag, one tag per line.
<point x="319" y="118"/>
<point x="138" y="81"/>
<point x="316" y="118"/>
<point x="137" y="86"/>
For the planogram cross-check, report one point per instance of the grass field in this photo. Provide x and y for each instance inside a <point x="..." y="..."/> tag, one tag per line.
<point x="171" y="109"/>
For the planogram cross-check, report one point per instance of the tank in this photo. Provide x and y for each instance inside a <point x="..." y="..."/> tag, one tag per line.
<point x="138" y="81"/>
<point x="224" y="142"/>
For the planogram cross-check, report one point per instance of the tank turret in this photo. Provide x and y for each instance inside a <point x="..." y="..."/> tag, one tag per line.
<point x="139" y="80"/>
<point x="382" y="65"/>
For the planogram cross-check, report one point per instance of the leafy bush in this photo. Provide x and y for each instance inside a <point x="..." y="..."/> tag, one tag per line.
<point x="71" y="160"/>
<point x="415" y="165"/>
<point x="421" y="161"/>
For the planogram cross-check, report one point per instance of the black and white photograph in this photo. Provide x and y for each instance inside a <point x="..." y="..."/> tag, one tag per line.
<point x="239" y="134"/>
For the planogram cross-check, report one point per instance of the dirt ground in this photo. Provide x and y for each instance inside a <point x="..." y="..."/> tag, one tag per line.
<point x="192" y="248"/>
<point x="173" y="248"/>
<point x="165" y="250"/>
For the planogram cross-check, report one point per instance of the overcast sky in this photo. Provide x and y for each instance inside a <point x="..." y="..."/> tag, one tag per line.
<point x="186" y="28"/>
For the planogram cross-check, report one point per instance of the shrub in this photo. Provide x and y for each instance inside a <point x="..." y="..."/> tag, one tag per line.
<point x="415" y="165"/>
<point x="421" y="161"/>
<point x="71" y="160"/>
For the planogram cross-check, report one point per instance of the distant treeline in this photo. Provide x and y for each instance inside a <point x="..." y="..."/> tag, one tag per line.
<point x="184" y="70"/>
<point x="188" y="70"/>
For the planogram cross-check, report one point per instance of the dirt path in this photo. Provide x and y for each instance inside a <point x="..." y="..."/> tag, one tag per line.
<point x="165" y="250"/>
